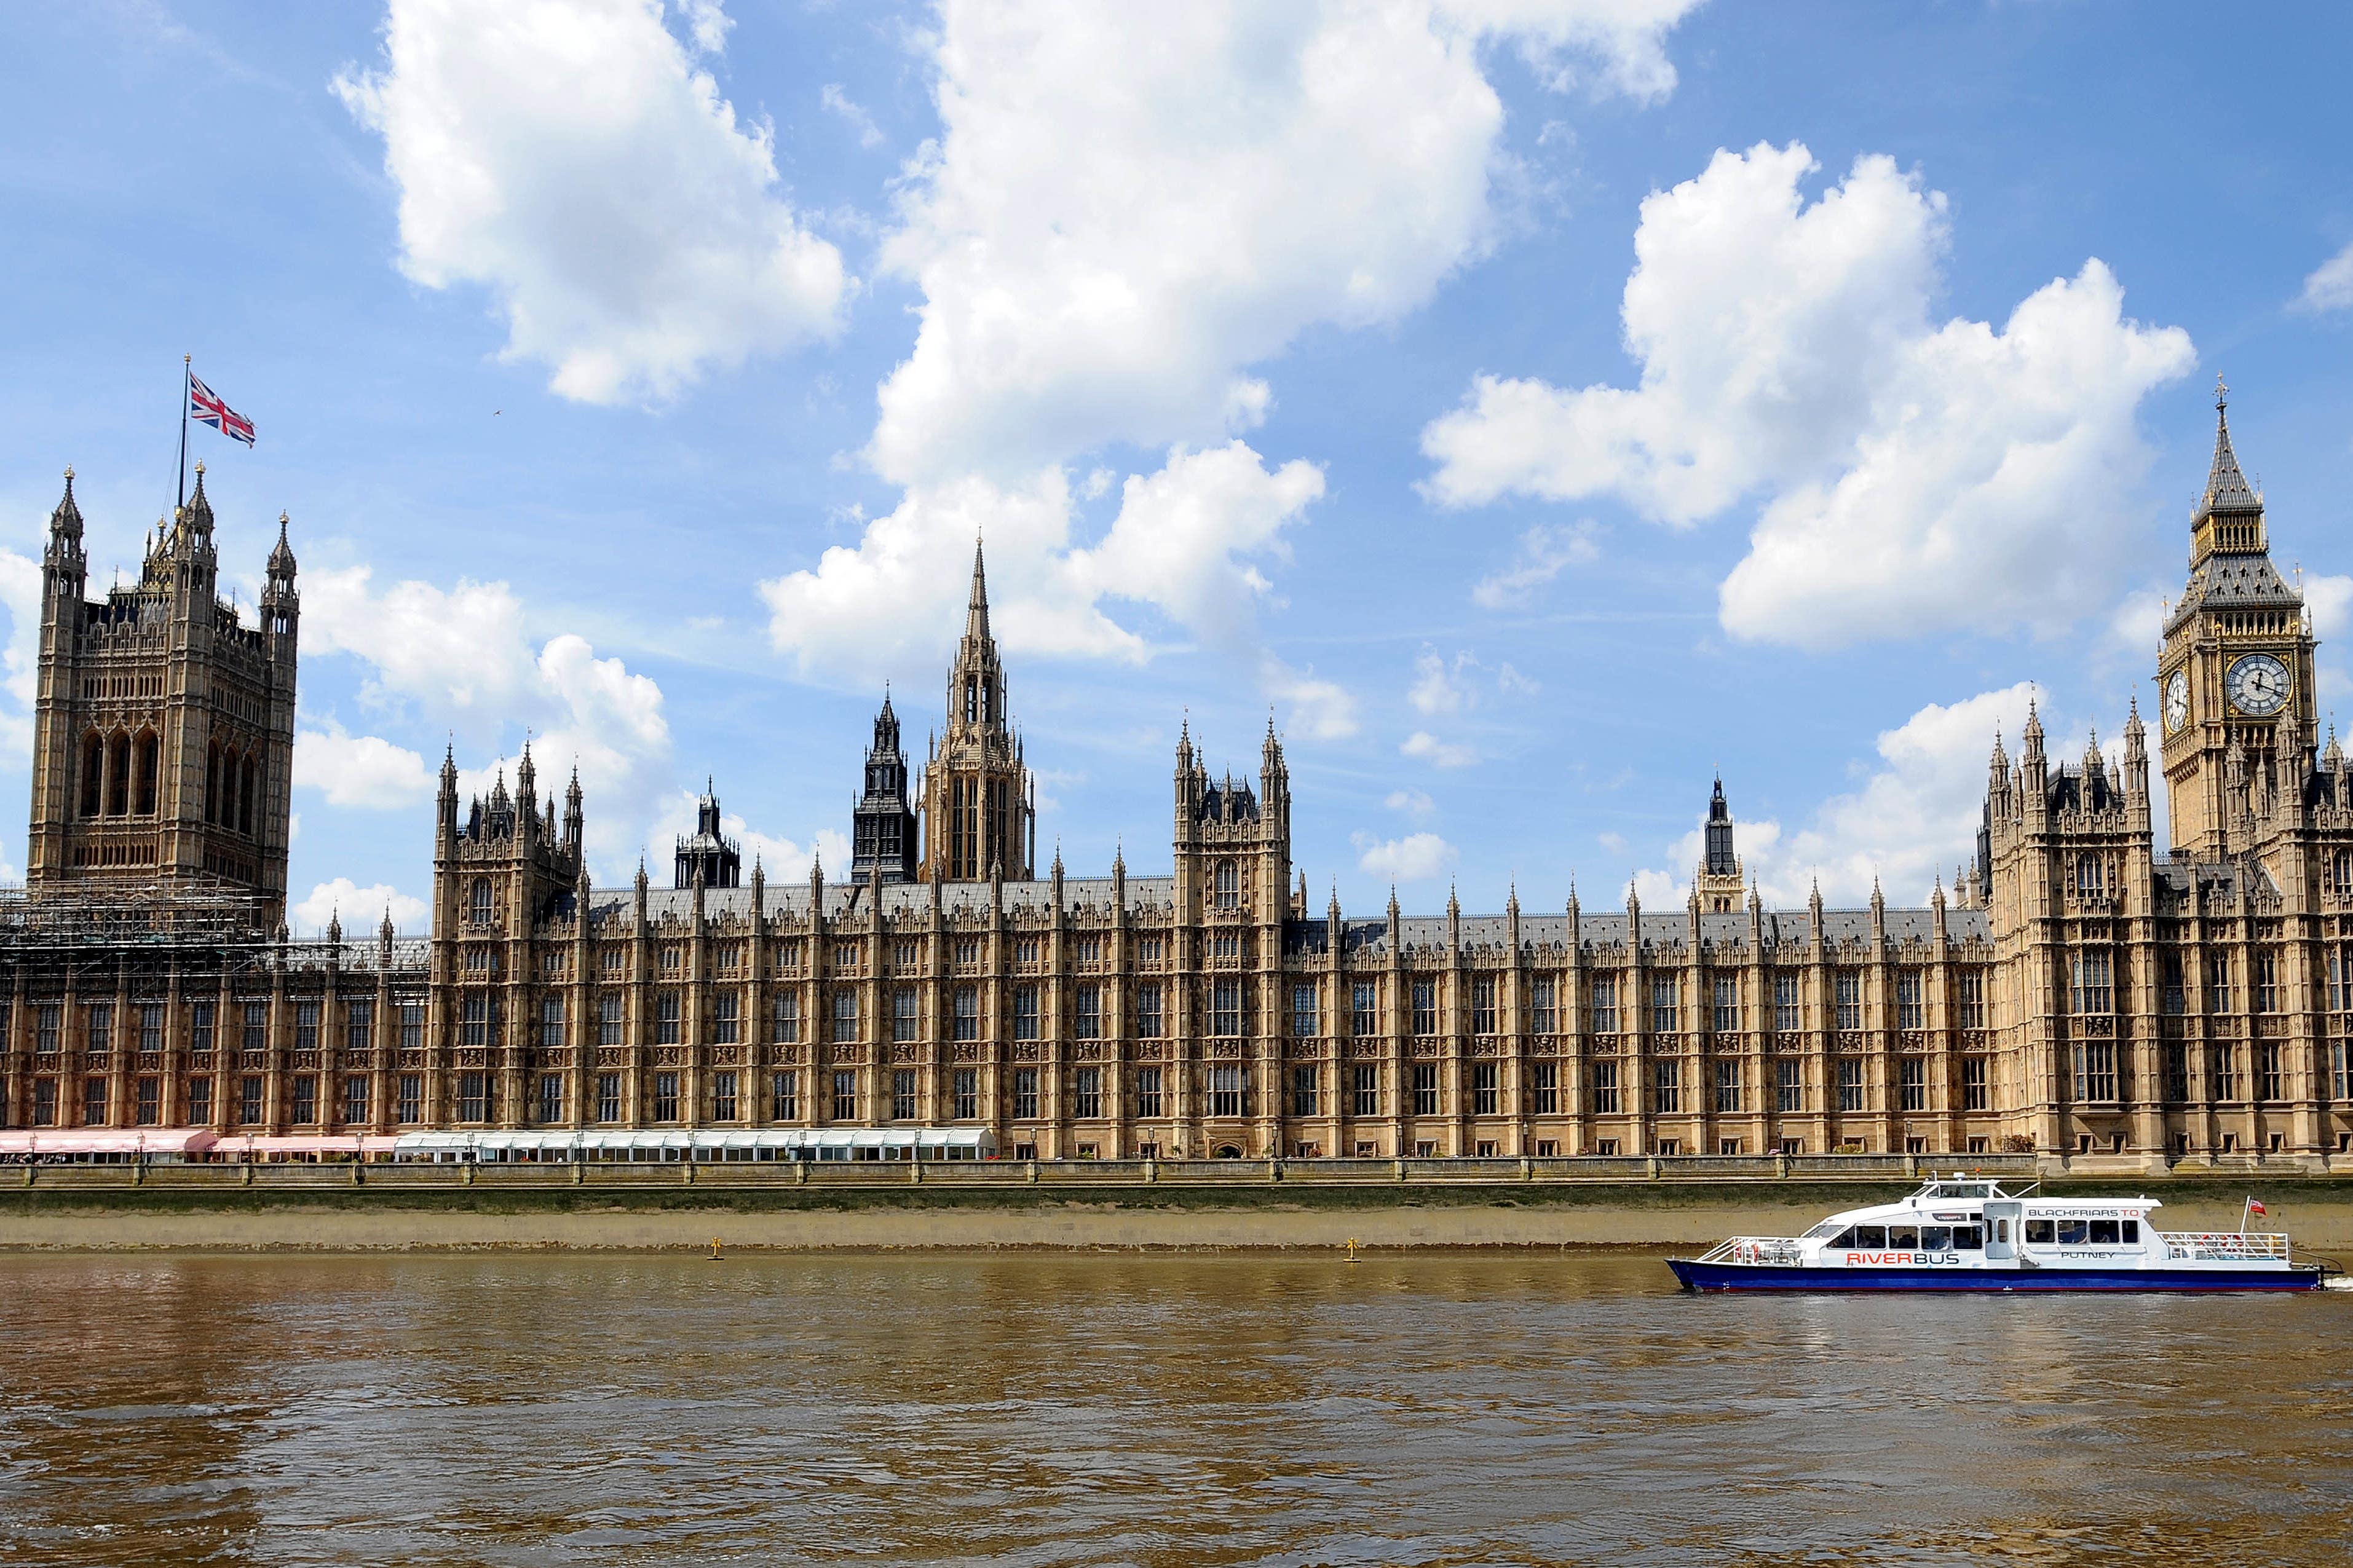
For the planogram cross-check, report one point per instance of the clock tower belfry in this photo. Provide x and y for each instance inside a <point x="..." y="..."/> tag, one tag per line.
<point x="2234" y="675"/>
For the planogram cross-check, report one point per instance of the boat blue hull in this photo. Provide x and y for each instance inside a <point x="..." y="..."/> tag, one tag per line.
<point x="1698" y="1275"/>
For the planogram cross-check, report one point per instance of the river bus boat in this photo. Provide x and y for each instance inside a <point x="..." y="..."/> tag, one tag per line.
<point x="1966" y="1233"/>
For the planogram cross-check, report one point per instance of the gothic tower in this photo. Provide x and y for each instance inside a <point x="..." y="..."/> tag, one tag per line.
<point x="884" y="825"/>
<point x="709" y="855"/>
<point x="1718" y="880"/>
<point x="164" y="725"/>
<point x="504" y="865"/>
<point x="979" y="814"/>
<point x="2234" y="677"/>
<point x="1233" y="844"/>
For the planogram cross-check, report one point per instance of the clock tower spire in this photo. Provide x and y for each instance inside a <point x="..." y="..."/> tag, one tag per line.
<point x="2236" y="672"/>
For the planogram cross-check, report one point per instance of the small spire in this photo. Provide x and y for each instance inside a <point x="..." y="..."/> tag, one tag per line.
<point x="68" y="514"/>
<point x="282" y="560"/>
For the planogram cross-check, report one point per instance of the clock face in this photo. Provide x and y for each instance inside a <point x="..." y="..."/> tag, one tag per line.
<point x="2177" y="700"/>
<point x="2257" y="685"/>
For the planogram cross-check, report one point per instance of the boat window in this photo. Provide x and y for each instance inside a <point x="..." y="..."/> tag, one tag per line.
<point x="1937" y="1237"/>
<point x="2001" y="1231"/>
<point x="1828" y="1227"/>
<point x="1903" y="1235"/>
<point x="2074" y="1232"/>
<point x="1870" y="1237"/>
<point x="2132" y="1233"/>
<point x="2038" y="1233"/>
<point x="1968" y="1237"/>
<point x="2104" y="1233"/>
<point x="1844" y="1238"/>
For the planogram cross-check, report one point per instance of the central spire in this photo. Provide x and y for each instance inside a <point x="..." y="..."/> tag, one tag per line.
<point x="978" y="810"/>
<point x="976" y="617"/>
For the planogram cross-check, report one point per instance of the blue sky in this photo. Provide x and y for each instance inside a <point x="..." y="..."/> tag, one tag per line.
<point x="1534" y="404"/>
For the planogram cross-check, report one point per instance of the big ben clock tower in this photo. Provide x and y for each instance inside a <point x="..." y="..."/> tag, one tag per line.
<point x="2234" y="677"/>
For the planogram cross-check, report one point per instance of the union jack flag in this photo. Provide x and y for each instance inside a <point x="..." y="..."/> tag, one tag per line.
<point x="206" y="408"/>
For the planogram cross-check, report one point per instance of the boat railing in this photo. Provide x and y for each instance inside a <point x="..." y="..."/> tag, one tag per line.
<point x="2225" y="1246"/>
<point x="1771" y="1250"/>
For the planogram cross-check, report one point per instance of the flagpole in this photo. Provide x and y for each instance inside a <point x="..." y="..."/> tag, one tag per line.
<point x="187" y="369"/>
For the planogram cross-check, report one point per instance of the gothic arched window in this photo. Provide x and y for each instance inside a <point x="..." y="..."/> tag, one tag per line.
<point x="144" y="773"/>
<point x="245" y="796"/>
<point x="118" y="774"/>
<point x="93" y="774"/>
<point x="478" y="907"/>
<point x="1228" y="885"/>
<point x="2342" y="873"/>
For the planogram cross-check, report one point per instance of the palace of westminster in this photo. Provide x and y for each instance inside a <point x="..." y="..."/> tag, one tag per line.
<point x="2079" y="994"/>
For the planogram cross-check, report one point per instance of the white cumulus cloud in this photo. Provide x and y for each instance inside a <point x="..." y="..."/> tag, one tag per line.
<point x="1426" y="747"/>
<point x="460" y="657"/>
<point x="1910" y="476"/>
<point x="1412" y="802"/>
<point x="1439" y="685"/>
<point x="365" y="771"/>
<point x="1186" y="546"/>
<point x="2330" y="600"/>
<point x="569" y="156"/>
<point x="1128" y="207"/>
<point x="2330" y="287"/>
<point x="1322" y="709"/>
<point x="360" y="909"/>
<point x="1416" y="857"/>
<point x="1910" y="821"/>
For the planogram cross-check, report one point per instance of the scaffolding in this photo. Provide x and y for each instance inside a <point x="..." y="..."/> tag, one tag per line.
<point x="141" y="936"/>
<point x="202" y="911"/>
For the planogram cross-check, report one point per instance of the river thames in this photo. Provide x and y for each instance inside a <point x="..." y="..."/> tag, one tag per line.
<point x="1162" y="1410"/>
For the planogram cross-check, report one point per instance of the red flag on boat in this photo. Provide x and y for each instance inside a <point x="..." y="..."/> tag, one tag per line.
<point x="2255" y="1205"/>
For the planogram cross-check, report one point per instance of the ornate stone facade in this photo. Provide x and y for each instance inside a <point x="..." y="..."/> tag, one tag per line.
<point x="2199" y="1002"/>
<point x="2081" y="995"/>
<point x="164" y="725"/>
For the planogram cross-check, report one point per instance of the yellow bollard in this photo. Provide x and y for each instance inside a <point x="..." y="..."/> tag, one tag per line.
<point x="714" y="1257"/>
<point x="1353" y="1245"/>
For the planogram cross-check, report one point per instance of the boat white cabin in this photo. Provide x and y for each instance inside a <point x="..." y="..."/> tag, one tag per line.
<point x="1971" y="1233"/>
